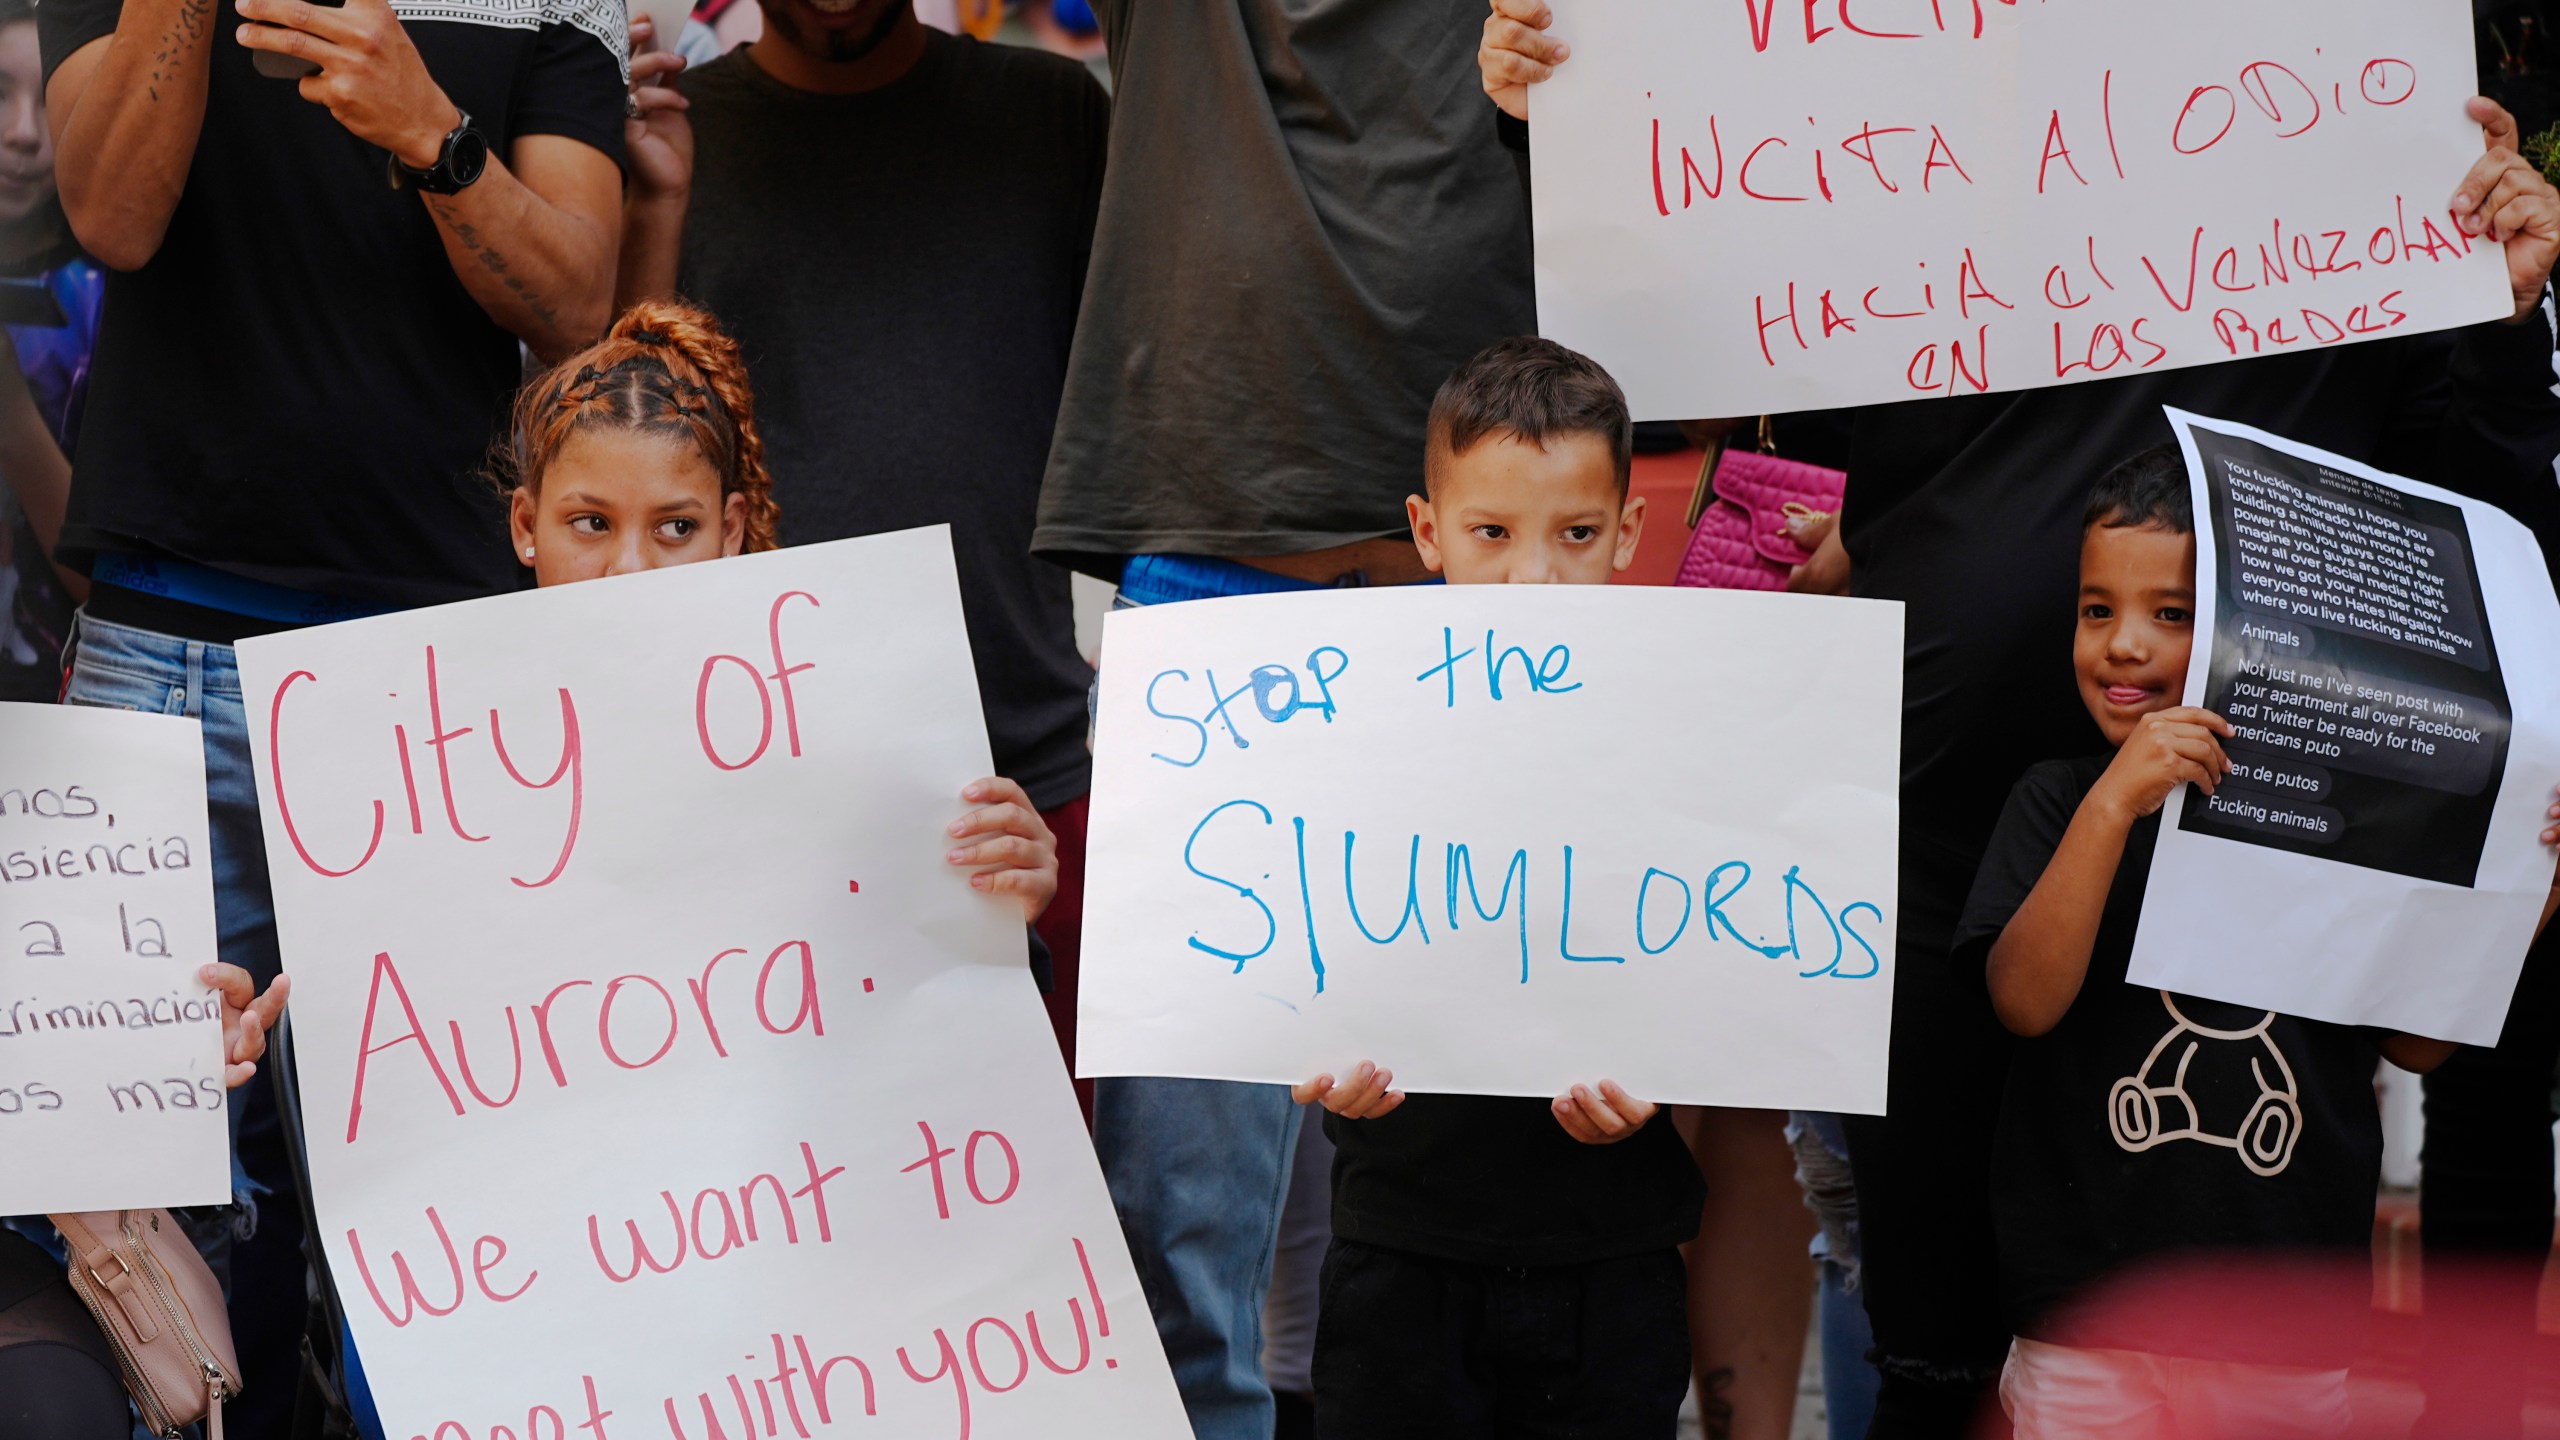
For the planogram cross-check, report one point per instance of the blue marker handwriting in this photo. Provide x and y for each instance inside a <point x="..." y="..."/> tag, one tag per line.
<point x="1204" y="704"/>
<point x="1242" y="847"/>
<point x="1544" y="674"/>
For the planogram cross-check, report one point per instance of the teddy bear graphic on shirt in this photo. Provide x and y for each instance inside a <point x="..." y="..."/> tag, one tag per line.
<point x="2250" y="1102"/>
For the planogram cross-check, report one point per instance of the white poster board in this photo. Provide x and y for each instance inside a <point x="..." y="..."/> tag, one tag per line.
<point x="111" y="1093"/>
<point x="652" y="1058"/>
<point x="1500" y="840"/>
<point x="2388" y="653"/>
<point x="1765" y="205"/>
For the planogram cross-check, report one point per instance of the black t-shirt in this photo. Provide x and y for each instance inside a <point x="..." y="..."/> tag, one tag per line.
<point x="1494" y="1180"/>
<point x="902" y="270"/>
<point x="2148" y="1125"/>
<point x="296" y="387"/>
<point x="1308" y="224"/>
<point x="1968" y="511"/>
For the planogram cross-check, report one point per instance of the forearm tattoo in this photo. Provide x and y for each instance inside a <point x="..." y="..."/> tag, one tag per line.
<point x="491" y="260"/>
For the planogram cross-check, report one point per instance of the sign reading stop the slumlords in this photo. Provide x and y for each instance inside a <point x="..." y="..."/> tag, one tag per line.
<point x="661" y="1078"/>
<point x="1759" y="205"/>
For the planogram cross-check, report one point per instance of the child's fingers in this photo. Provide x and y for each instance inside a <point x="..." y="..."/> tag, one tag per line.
<point x="995" y="790"/>
<point x="1007" y="819"/>
<point x="1637" y="1112"/>
<point x="1007" y="850"/>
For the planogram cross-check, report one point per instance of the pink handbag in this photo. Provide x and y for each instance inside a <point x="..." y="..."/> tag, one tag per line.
<point x="162" y="1311"/>
<point x="1738" y="515"/>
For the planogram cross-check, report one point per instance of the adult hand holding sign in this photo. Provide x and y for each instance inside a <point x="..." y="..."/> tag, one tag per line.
<point x="2505" y="197"/>
<point x="2010" y="200"/>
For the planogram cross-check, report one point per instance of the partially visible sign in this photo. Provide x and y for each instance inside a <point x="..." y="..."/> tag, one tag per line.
<point x="661" y="1079"/>
<point x="111" y="1093"/>
<point x="1500" y="840"/>
<point x="2383" y="652"/>
<point x="1759" y="205"/>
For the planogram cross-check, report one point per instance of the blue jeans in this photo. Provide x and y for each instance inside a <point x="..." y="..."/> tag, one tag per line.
<point x="1199" y="1169"/>
<point x="121" y="668"/>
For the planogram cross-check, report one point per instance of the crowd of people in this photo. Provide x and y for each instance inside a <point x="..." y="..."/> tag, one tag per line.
<point x="322" y="311"/>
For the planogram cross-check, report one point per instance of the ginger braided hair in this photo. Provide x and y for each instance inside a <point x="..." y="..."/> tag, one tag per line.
<point x="667" y="368"/>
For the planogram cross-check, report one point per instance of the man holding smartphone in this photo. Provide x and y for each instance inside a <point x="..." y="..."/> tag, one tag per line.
<point x="309" y="342"/>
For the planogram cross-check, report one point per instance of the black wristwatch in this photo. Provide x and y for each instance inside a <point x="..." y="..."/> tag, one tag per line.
<point x="464" y="155"/>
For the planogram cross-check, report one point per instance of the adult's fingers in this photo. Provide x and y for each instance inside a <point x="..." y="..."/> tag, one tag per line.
<point x="1311" y="1091"/>
<point x="2498" y="129"/>
<point x="229" y="981"/>
<point x="2477" y="182"/>
<point x="647" y="68"/>
<point x="1636" y="1111"/>
<point x="1527" y="12"/>
<point x="2515" y="183"/>
<point x="653" y="99"/>
<point x="997" y="790"/>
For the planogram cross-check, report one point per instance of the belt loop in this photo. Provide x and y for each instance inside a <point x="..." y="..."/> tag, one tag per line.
<point x="195" y="678"/>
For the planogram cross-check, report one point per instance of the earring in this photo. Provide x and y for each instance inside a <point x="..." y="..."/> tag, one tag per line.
<point x="528" y="552"/>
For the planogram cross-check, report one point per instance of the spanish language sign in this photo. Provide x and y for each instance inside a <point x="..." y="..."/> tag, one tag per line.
<point x="1758" y="205"/>
<point x="662" y="1081"/>
<point x="2383" y="652"/>
<point x="1500" y="840"/>
<point x="111" y="1092"/>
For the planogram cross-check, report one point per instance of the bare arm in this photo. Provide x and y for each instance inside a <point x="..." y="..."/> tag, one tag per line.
<point x="125" y="111"/>
<point x="533" y="239"/>
<point x="2042" y="956"/>
<point x="2417" y="1054"/>
<point x="535" y="244"/>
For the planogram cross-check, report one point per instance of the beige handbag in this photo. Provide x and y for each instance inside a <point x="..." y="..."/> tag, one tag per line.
<point x="161" y="1309"/>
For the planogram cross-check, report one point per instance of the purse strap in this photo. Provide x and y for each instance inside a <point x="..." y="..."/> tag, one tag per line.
<point x="1704" y="489"/>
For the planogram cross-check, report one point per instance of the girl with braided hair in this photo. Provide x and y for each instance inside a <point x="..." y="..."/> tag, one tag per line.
<point x="641" y="451"/>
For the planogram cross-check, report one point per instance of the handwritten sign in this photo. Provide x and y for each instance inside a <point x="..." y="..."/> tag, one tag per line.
<point x="1762" y="205"/>
<point x="662" y="1081"/>
<point x="111" y="1090"/>
<point x="1500" y="840"/>
<point x="2382" y="649"/>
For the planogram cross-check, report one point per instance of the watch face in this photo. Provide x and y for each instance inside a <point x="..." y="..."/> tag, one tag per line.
<point x="470" y="156"/>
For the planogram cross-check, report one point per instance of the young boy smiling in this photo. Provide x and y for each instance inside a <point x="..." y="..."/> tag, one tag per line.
<point x="2138" y="1125"/>
<point x="1505" y="1266"/>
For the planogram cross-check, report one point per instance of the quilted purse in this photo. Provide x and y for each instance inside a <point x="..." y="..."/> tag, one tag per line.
<point x="1739" y="511"/>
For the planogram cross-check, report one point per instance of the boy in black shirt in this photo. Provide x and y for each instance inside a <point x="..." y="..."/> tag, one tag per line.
<point x="1504" y="1266"/>
<point x="2138" y="1124"/>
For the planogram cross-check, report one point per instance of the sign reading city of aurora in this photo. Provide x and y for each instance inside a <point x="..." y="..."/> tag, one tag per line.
<point x="111" y="1090"/>
<point x="1758" y="205"/>
<point x="1500" y="840"/>
<point x="2383" y="651"/>
<point x="662" y="1082"/>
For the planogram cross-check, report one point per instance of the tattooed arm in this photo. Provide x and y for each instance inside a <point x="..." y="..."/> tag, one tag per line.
<point x="125" y="110"/>
<point x="533" y="240"/>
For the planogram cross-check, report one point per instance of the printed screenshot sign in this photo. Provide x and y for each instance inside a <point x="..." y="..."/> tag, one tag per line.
<point x="111" y="1093"/>
<point x="2381" y="650"/>
<point x="1764" y="205"/>
<point x="662" y="1080"/>
<point x="2352" y="656"/>
<point x="1638" y="834"/>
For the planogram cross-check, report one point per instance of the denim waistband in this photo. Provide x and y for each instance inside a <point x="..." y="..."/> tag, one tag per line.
<point x="150" y="655"/>
<point x="212" y="589"/>
<point x="1165" y="579"/>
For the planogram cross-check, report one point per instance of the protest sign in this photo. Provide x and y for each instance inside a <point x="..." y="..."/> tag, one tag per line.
<point x="1758" y="205"/>
<point x="661" y="1079"/>
<point x="111" y="1093"/>
<point x="2383" y="652"/>
<point x="1500" y="840"/>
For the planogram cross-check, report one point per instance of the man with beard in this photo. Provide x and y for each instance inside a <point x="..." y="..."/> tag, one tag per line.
<point x="893" y="222"/>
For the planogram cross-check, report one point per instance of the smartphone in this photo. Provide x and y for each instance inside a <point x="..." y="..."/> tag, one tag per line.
<point x="28" y="302"/>
<point x="288" y="67"/>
